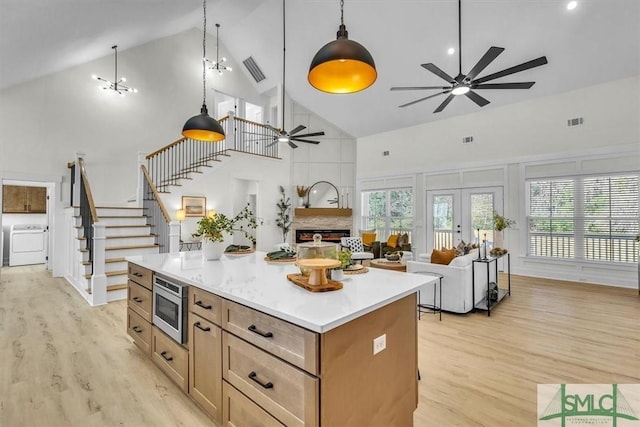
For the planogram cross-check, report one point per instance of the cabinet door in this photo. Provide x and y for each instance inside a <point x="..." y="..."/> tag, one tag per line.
<point x="205" y="365"/>
<point x="36" y="199"/>
<point x="13" y="199"/>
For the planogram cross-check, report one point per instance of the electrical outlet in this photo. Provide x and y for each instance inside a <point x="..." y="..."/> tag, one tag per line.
<point x="379" y="343"/>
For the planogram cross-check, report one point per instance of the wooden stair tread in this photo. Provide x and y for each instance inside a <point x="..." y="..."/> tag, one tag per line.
<point x="123" y="216"/>
<point x="131" y="247"/>
<point x="116" y="287"/>
<point x="110" y="273"/>
<point x="121" y="259"/>
<point x="127" y="226"/>
<point x="118" y="207"/>
<point x="131" y="236"/>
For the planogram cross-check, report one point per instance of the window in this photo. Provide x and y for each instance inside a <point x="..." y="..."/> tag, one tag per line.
<point x="388" y="212"/>
<point x="594" y="218"/>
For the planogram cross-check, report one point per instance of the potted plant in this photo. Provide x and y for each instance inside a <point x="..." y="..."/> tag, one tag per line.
<point x="302" y="192"/>
<point x="344" y="256"/>
<point x="283" y="220"/>
<point x="214" y="227"/>
<point x="500" y="223"/>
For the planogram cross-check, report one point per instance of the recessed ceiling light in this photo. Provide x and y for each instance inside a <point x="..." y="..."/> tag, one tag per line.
<point x="451" y="51"/>
<point x="572" y="5"/>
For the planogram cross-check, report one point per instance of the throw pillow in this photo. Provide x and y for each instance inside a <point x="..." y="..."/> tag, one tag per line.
<point x="355" y="244"/>
<point x="461" y="248"/>
<point x="392" y="240"/>
<point x="368" y="238"/>
<point x="443" y="257"/>
<point x="403" y="239"/>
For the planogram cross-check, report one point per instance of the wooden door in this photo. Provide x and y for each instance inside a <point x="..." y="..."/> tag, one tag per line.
<point x="13" y="199"/>
<point x="205" y="365"/>
<point x="36" y="199"/>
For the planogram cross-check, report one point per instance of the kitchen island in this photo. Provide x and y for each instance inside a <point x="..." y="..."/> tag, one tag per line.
<point x="263" y="351"/>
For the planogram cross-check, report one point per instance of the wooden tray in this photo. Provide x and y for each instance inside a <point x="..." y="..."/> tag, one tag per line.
<point x="280" y="261"/>
<point x="356" y="271"/>
<point x="240" y="252"/>
<point x="303" y="281"/>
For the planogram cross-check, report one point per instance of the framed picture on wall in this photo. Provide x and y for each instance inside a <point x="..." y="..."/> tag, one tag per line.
<point x="194" y="205"/>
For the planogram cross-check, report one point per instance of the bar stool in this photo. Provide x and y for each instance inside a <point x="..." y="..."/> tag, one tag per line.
<point x="425" y="308"/>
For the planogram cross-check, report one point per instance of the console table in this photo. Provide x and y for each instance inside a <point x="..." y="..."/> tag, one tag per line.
<point x="485" y="303"/>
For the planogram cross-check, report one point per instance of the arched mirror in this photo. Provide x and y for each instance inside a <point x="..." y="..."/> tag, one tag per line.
<point x="323" y="194"/>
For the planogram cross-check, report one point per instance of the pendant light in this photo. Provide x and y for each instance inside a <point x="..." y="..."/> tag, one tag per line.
<point x="118" y="84"/>
<point x="219" y="64"/>
<point x="343" y="65"/>
<point x="203" y="127"/>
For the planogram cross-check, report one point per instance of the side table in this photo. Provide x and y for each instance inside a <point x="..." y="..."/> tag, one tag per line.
<point x="424" y="308"/>
<point x="485" y="303"/>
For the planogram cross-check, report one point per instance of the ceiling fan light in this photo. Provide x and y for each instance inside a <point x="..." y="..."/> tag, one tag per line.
<point x="283" y="138"/>
<point x="203" y="127"/>
<point x="460" y="90"/>
<point x="342" y="66"/>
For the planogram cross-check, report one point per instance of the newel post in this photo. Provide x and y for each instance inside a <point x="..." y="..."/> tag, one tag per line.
<point x="98" y="278"/>
<point x="77" y="176"/>
<point x="140" y="188"/>
<point x="231" y="131"/>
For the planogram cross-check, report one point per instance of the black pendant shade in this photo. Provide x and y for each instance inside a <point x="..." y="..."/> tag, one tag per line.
<point x="343" y="65"/>
<point x="203" y="127"/>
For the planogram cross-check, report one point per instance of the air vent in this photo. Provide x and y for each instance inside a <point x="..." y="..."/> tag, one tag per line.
<point x="467" y="139"/>
<point x="575" y="122"/>
<point x="254" y="70"/>
<point x="385" y="153"/>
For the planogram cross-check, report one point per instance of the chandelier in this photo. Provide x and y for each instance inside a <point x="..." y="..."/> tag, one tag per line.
<point x="117" y="84"/>
<point x="218" y="65"/>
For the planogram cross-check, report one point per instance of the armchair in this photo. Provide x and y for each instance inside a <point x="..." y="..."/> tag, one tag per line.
<point x="354" y="244"/>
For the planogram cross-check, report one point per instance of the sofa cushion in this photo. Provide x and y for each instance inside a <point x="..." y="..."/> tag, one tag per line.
<point x="443" y="257"/>
<point x="392" y="240"/>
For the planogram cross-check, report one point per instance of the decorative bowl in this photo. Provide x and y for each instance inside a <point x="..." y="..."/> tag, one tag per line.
<point x="392" y="257"/>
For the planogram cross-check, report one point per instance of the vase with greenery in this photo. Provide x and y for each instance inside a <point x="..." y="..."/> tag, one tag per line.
<point x="283" y="219"/>
<point x="500" y="223"/>
<point x="344" y="256"/>
<point x="214" y="227"/>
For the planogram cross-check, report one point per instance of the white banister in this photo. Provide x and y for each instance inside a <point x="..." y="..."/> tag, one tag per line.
<point x="98" y="278"/>
<point x="142" y="160"/>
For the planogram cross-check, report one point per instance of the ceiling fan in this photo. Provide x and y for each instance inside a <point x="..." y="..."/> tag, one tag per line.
<point x="465" y="84"/>
<point x="292" y="135"/>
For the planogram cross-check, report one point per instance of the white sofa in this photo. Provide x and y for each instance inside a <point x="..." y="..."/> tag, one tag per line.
<point x="456" y="282"/>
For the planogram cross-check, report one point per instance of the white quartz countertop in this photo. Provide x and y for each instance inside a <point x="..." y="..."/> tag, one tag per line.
<point x="249" y="280"/>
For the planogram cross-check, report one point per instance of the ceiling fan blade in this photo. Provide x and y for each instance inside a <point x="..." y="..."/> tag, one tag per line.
<point x="486" y="59"/>
<point x="438" y="72"/>
<point x="291" y="144"/>
<point x="444" y="103"/>
<point x="423" y="99"/>
<point x="297" y="139"/>
<point x="272" y="128"/>
<point x="476" y="98"/>
<point x="321" y="133"/>
<point x="521" y="85"/>
<point x="272" y="143"/>
<point x="417" y="87"/>
<point x="257" y="133"/>
<point x="516" y="69"/>
<point x="297" y="129"/>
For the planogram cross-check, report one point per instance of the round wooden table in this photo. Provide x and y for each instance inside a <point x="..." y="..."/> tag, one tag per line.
<point x="387" y="265"/>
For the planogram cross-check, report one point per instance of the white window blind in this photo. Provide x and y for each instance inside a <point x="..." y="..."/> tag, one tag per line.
<point x="551" y="218"/>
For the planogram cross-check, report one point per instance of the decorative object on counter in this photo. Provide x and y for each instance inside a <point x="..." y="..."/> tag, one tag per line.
<point x="356" y="269"/>
<point x="238" y="250"/>
<point x="281" y="255"/>
<point x="117" y="85"/>
<point x="322" y="194"/>
<point x="500" y="223"/>
<point x="317" y="256"/>
<point x="344" y="256"/>
<point x="203" y="127"/>
<point x="194" y="205"/>
<point x="214" y="227"/>
<point x="302" y="193"/>
<point x="283" y="219"/>
<point x="496" y="252"/>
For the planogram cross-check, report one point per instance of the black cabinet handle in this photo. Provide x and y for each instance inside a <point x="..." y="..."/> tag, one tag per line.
<point x="200" y="304"/>
<point x="255" y="330"/>
<point x="137" y="329"/>
<point x="167" y="358"/>
<point x="25" y="207"/>
<point x="137" y="299"/>
<point x="136" y="274"/>
<point x="197" y="325"/>
<point x="253" y="376"/>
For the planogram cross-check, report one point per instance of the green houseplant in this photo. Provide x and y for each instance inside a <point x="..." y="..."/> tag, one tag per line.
<point x="500" y="223"/>
<point x="283" y="219"/>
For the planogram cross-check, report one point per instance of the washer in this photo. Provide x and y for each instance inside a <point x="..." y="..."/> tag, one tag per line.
<point x="26" y="244"/>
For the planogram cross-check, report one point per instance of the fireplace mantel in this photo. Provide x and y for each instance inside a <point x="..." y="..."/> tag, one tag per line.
<point x="323" y="212"/>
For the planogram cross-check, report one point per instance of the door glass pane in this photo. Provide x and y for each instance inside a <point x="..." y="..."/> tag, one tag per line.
<point x="443" y="221"/>
<point x="482" y="216"/>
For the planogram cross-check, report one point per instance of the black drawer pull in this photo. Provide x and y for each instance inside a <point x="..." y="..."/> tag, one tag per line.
<point x="197" y="325"/>
<point x="167" y="358"/>
<point x="136" y="274"/>
<point x="137" y="299"/>
<point x="137" y="329"/>
<point x="255" y="330"/>
<point x="200" y="304"/>
<point x="253" y="376"/>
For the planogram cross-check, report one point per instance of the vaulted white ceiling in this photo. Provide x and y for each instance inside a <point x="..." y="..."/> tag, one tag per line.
<point x="596" y="42"/>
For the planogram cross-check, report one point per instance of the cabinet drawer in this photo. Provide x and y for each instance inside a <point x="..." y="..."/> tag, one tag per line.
<point x="139" y="299"/>
<point x="171" y="357"/>
<point x="239" y="411"/>
<point x="286" y="392"/>
<point x="205" y="304"/>
<point x="205" y="365"/>
<point x="292" y="343"/>
<point x="141" y="275"/>
<point x="140" y="330"/>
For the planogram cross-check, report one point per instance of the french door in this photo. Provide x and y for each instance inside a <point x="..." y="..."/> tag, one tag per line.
<point x="461" y="214"/>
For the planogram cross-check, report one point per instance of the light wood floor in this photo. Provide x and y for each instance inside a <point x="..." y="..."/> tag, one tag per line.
<point x="63" y="363"/>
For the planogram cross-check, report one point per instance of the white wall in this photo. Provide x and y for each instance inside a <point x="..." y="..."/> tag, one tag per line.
<point x="510" y="145"/>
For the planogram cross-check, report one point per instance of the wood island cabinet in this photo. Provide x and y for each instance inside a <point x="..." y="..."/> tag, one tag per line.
<point x="22" y="199"/>
<point x="140" y="306"/>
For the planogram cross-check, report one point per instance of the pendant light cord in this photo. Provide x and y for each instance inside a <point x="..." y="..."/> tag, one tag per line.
<point x="459" y="37"/>
<point x="204" y="53"/>
<point x="284" y="58"/>
<point x="342" y="12"/>
<point x="115" y="80"/>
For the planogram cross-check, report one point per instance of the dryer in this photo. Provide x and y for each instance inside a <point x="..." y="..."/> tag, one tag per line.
<point x="27" y="244"/>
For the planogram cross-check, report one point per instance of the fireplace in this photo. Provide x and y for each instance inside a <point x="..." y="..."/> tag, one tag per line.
<point x="306" y="235"/>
